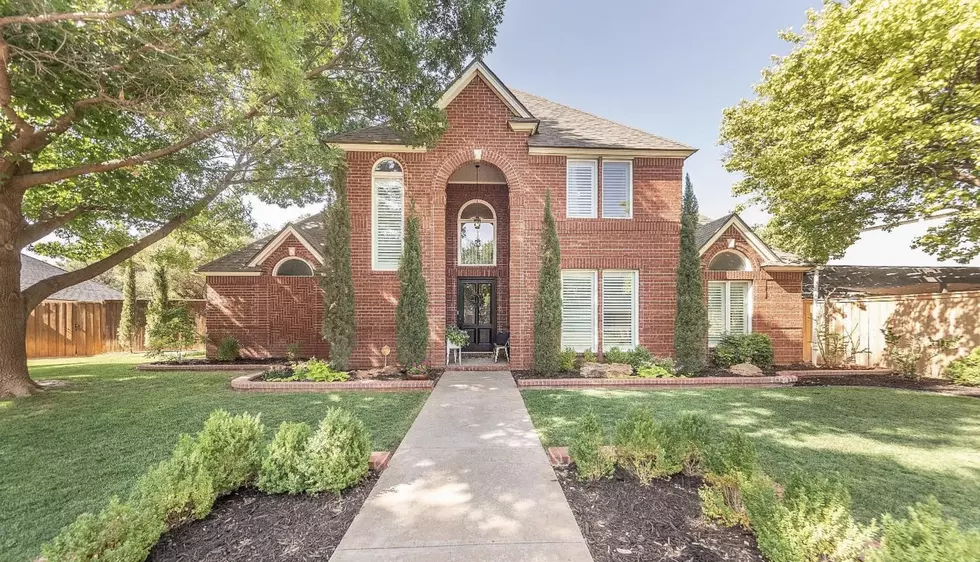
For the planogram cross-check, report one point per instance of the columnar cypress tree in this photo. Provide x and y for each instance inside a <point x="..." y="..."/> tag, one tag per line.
<point x="127" y="320"/>
<point x="160" y="300"/>
<point x="547" y="303"/>
<point x="338" y="278"/>
<point x="412" y="312"/>
<point x="691" y="323"/>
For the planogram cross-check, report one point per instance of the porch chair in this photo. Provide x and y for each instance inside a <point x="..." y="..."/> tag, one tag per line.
<point x="501" y="342"/>
<point x="450" y="349"/>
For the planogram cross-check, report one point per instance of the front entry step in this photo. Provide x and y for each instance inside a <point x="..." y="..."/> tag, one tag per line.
<point x="478" y="367"/>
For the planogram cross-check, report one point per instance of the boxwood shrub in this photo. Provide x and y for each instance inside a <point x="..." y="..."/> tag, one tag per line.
<point x="744" y="348"/>
<point x="282" y="467"/>
<point x="965" y="370"/>
<point x="337" y="454"/>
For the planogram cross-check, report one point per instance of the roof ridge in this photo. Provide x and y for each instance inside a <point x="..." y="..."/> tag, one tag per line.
<point x="606" y="119"/>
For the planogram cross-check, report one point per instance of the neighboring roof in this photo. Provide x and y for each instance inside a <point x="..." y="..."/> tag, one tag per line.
<point x="559" y="126"/>
<point x="708" y="232"/>
<point x="311" y="230"/>
<point x="33" y="270"/>
<point x="855" y="280"/>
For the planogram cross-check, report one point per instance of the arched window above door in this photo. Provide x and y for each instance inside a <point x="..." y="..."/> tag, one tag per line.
<point x="729" y="261"/>
<point x="477" y="234"/>
<point x="293" y="267"/>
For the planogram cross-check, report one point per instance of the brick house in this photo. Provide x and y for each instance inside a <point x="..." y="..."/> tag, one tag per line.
<point x="480" y="193"/>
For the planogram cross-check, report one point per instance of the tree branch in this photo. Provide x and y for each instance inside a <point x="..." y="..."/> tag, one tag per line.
<point x="90" y="16"/>
<point x="40" y="229"/>
<point x="966" y="177"/>
<point x="6" y="94"/>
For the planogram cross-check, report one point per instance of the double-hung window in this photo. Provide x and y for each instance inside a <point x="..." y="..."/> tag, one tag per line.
<point x="617" y="189"/>
<point x="619" y="309"/>
<point x="729" y="309"/>
<point x="387" y="215"/>
<point x="581" y="189"/>
<point x="578" y="310"/>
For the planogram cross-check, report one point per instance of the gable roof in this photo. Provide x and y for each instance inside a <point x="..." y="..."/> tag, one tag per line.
<point x="853" y="280"/>
<point x="553" y="126"/>
<point x="710" y="231"/>
<point x="309" y="231"/>
<point x="33" y="270"/>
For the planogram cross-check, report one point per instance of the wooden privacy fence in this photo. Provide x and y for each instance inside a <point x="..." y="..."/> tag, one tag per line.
<point x="923" y="317"/>
<point x="75" y="329"/>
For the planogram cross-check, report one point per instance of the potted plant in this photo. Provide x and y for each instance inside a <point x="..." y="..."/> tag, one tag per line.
<point x="457" y="337"/>
<point x="418" y="370"/>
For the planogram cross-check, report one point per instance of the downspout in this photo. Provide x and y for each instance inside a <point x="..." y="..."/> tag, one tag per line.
<point x="814" y="321"/>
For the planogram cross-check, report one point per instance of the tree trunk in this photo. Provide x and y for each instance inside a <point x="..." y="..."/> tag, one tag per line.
<point x="14" y="378"/>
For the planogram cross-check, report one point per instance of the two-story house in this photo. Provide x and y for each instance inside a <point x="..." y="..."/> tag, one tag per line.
<point x="480" y="195"/>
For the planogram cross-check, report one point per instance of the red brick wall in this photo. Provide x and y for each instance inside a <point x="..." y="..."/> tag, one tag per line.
<point x="478" y="120"/>
<point x="267" y="313"/>
<point x="777" y="309"/>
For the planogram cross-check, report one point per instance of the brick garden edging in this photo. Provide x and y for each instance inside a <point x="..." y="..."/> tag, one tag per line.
<point x="836" y="372"/>
<point x="633" y="383"/>
<point x="201" y="368"/>
<point x="250" y="383"/>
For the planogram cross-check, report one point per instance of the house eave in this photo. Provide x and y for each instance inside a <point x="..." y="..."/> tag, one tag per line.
<point x="377" y="147"/>
<point x="757" y="244"/>
<point x="787" y="268"/>
<point x="278" y="240"/>
<point x="522" y="126"/>
<point x="611" y="152"/>
<point x="229" y="273"/>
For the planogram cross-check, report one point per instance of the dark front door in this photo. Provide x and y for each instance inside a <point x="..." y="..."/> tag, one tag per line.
<point x="475" y="311"/>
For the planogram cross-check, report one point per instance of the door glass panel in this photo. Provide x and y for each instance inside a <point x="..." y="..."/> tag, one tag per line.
<point x="484" y="303"/>
<point x="469" y="303"/>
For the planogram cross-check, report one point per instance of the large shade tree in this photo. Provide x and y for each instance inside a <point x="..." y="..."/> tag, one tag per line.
<point x="122" y="121"/>
<point x="871" y="121"/>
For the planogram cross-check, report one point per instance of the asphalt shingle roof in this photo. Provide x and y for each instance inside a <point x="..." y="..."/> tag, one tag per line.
<point x="708" y="228"/>
<point x="844" y="280"/>
<point x="33" y="270"/>
<point x="311" y="229"/>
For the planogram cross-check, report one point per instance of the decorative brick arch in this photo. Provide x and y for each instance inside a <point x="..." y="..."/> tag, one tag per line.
<point x="452" y="162"/>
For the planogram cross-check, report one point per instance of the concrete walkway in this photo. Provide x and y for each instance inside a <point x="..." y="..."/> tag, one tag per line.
<point x="469" y="482"/>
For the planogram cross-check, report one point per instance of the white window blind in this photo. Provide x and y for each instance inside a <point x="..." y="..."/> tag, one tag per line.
<point x="619" y="310"/>
<point x="580" y="189"/>
<point x="388" y="222"/>
<point x="578" y="310"/>
<point x="728" y="309"/>
<point x="617" y="190"/>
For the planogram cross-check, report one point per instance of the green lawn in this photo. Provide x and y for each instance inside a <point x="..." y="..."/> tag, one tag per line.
<point x="69" y="450"/>
<point x="891" y="448"/>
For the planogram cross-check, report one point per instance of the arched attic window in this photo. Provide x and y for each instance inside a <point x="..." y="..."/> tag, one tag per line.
<point x="477" y="234"/>
<point x="729" y="261"/>
<point x="293" y="267"/>
<point x="387" y="214"/>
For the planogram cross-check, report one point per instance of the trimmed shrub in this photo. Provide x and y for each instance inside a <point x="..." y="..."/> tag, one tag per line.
<point x="811" y="522"/>
<point x="282" y="467"/>
<point x="729" y="454"/>
<point x="119" y="533"/>
<point x="640" y="447"/>
<point x="589" y="356"/>
<point x="337" y="454"/>
<point x="566" y="359"/>
<point x="228" y="349"/>
<point x="586" y="449"/>
<point x="616" y="355"/>
<point x="721" y="500"/>
<point x="231" y="449"/>
<point x="925" y="536"/>
<point x="639" y="357"/>
<point x="686" y="439"/>
<point x="965" y="370"/>
<point x="178" y="489"/>
<point x="744" y="348"/>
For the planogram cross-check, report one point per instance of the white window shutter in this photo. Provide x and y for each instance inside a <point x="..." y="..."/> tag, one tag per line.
<point x="580" y="189"/>
<point x="619" y="314"/>
<point x="716" y="311"/>
<point x="578" y="310"/>
<point x="738" y="308"/>
<point x="617" y="190"/>
<point x="388" y="222"/>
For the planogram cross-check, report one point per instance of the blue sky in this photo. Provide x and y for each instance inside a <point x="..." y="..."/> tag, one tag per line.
<point x="669" y="68"/>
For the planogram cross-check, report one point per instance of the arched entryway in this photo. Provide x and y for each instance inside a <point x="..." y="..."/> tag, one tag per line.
<point x="478" y="256"/>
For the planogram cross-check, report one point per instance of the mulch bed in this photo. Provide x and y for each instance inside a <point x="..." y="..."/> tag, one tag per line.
<point x="941" y="386"/>
<point x="249" y="525"/>
<point x="239" y="361"/>
<point x="622" y="520"/>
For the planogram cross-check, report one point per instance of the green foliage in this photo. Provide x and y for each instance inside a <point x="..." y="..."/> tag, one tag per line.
<point x="127" y="331"/>
<point x="160" y="300"/>
<point x="641" y="448"/>
<point x="688" y="437"/>
<point x="547" y="301"/>
<point x="337" y="454"/>
<point x="691" y="320"/>
<point x="721" y="500"/>
<point x="566" y="359"/>
<point x="457" y="337"/>
<point x="282" y="466"/>
<point x="811" y="522"/>
<point x="871" y="119"/>
<point x="338" y="277"/>
<point x="734" y="349"/>
<point x="231" y="449"/>
<point x="730" y="453"/>
<point x="418" y="370"/>
<point x="589" y="356"/>
<point x="616" y="355"/>
<point x="925" y="536"/>
<point x="412" y="312"/>
<point x="908" y="355"/>
<point x="587" y="449"/>
<point x="177" y="489"/>
<point x="313" y="370"/>
<point x="174" y="330"/>
<point x="228" y="349"/>
<point x="653" y="371"/>
<point x="639" y="357"/>
<point x="965" y="370"/>
<point x="119" y="533"/>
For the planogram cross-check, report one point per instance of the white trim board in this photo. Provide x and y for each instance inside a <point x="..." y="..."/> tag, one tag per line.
<point x="757" y="244"/>
<point x="478" y="68"/>
<point x="369" y="147"/>
<point x="278" y="240"/>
